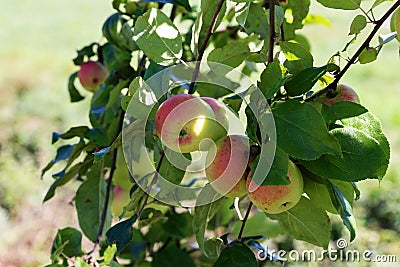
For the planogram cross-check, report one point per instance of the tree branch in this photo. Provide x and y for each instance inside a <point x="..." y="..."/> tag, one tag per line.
<point x="151" y="184"/>
<point x="204" y="45"/>
<point x="109" y="187"/>
<point x="353" y="60"/>
<point x="272" y="34"/>
<point x="244" y="221"/>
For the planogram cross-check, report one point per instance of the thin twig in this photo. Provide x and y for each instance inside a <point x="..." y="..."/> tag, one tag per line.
<point x="204" y="45"/>
<point x="353" y="60"/>
<point x="109" y="187"/>
<point x="244" y="221"/>
<point x="153" y="181"/>
<point x="272" y="33"/>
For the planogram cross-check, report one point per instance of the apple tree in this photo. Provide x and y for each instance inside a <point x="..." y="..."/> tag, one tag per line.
<point x="212" y="130"/>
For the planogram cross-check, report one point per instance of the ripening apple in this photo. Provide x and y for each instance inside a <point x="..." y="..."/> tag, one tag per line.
<point x="342" y="93"/>
<point x="92" y="74"/>
<point x="395" y="23"/>
<point x="275" y="199"/>
<point x="120" y="200"/>
<point x="121" y="175"/>
<point x="183" y="121"/>
<point x="226" y="165"/>
<point x="219" y="113"/>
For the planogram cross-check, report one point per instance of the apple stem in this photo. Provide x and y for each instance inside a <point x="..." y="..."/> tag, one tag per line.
<point x="332" y="86"/>
<point x="244" y="221"/>
<point x="204" y="46"/>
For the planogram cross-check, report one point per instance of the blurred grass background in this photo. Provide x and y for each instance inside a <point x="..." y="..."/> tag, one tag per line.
<point x="38" y="41"/>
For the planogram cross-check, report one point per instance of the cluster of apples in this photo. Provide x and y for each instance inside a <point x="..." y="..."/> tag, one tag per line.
<point x="187" y="123"/>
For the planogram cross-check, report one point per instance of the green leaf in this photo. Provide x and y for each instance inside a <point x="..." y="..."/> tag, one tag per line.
<point x="271" y="79"/>
<point x="303" y="81"/>
<point x="306" y="222"/>
<point x="358" y="24"/>
<point x="371" y="126"/>
<point x="62" y="179"/>
<point x="158" y="37"/>
<point x="117" y="60"/>
<point x="205" y="19"/>
<point x="204" y="213"/>
<point x="118" y="32"/>
<point x="299" y="10"/>
<point x="172" y="257"/>
<point x="74" y="94"/>
<point x="213" y="247"/>
<point x="368" y="55"/>
<point x="321" y="193"/>
<point x="98" y="136"/>
<point x="99" y="155"/>
<point x="341" y="4"/>
<point x="378" y="2"/>
<point x="234" y="102"/>
<point x="89" y="201"/>
<point x="63" y="153"/>
<point x="386" y="38"/>
<point x="168" y="170"/>
<point x="232" y="54"/>
<point x="255" y="19"/>
<point x="362" y="157"/>
<point x="341" y="110"/>
<point x="148" y="216"/>
<point x="68" y="242"/>
<point x="259" y="225"/>
<point x="79" y="262"/>
<point x="86" y="51"/>
<point x="252" y="128"/>
<point x="121" y="233"/>
<point x="302" y="132"/>
<point x="184" y="3"/>
<point x="346" y="213"/>
<point x="277" y="175"/>
<point x="297" y="58"/>
<point x="79" y="131"/>
<point x="109" y="253"/>
<point x="179" y="225"/>
<point x="236" y="255"/>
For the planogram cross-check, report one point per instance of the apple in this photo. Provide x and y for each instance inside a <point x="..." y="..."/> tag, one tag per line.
<point x="120" y="200"/>
<point x="275" y="199"/>
<point x="227" y="165"/>
<point x="183" y="121"/>
<point x="92" y="74"/>
<point x="121" y="175"/>
<point x="342" y="93"/>
<point x="395" y="23"/>
<point x="219" y="113"/>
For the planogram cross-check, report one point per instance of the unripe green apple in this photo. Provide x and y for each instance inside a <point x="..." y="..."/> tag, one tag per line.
<point x="183" y="121"/>
<point x="92" y="74"/>
<point x="395" y="23"/>
<point x="226" y="165"/>
<point x="342" y="93"/>
<point x="275" y="199"/>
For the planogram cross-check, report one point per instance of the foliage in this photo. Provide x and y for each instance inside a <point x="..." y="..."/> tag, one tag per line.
<point x="335" y="146"/>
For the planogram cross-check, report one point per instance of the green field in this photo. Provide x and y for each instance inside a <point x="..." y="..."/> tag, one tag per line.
<point x="38" y="41"/>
